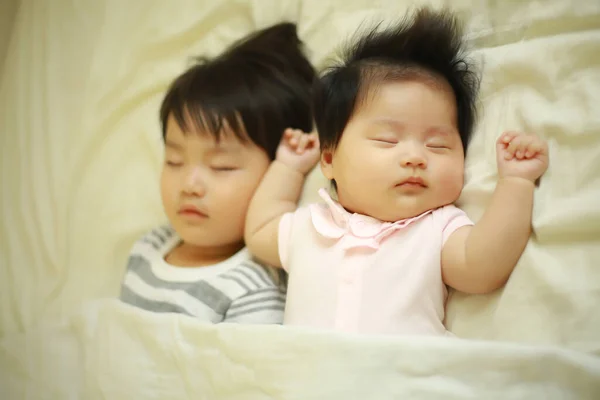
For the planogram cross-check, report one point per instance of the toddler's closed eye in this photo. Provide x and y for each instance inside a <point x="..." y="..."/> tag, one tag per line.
<point x="224" y="168"/>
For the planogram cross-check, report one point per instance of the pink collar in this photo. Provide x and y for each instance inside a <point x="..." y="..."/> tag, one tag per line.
<point x="332" y="221"/>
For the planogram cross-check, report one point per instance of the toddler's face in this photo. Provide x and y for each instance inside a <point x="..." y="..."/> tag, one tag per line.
<point x="206" y="186"/>
<point x="400" y="154"/>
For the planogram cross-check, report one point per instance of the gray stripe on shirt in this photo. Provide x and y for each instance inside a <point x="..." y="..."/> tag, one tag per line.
<point x="248" y="275"/>
<point x="151" y="242"/>
<point x="157" y="235"/>
<point x="275" y="297"/>
<point x="167" y="231"/>
<point x="271" y="307"/>
<point x="130" y="297"/>
<point x="259" y="272"/>
<point x="201" y="290"/>
<point x="236" y="280"/>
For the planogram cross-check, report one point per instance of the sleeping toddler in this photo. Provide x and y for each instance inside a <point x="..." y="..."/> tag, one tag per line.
<point x="222" y="121"/>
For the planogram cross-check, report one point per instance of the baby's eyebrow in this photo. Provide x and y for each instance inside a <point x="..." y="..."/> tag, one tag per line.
<point x="394" y="123"/>
<point x="439" y="131"/>
<point x="400" y="126"/>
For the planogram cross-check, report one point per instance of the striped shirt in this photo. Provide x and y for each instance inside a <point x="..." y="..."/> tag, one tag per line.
<point x="235" y="290"/>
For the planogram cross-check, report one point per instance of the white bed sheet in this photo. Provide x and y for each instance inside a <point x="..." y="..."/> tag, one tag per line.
<point x="113" y="351"/>
<point x="80" y="153"/>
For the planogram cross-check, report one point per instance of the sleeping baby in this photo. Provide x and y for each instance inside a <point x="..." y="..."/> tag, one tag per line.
<point x="222" y="121"/>
<point x="394" y="120"/>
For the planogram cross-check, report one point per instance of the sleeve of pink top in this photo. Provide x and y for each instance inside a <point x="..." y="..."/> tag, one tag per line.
<point x="283" y="238"/>
<point x="454" y="218"/>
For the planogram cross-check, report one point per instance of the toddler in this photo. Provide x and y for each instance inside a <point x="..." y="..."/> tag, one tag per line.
<point x="222" y="121"/>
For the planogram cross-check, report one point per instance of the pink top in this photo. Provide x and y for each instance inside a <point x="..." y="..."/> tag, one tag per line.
<point x="354" y="273"/>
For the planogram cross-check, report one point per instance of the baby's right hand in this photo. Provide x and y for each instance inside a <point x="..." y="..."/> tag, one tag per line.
<point x="298" y="150"/>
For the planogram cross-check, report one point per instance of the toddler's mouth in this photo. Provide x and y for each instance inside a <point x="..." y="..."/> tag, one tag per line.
<point x="192" y="211"/>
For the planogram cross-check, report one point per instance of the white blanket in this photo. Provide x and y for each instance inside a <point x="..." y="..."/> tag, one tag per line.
<point x="80" y="154"/>
<point x="112" y="351"/>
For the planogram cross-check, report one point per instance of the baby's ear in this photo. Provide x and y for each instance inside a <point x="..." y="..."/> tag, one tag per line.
<point x="327" y="163"/>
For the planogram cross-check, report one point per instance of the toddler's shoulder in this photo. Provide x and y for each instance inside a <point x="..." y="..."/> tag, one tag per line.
<point x="155" y="240"/>
<point x="249" y="277"/>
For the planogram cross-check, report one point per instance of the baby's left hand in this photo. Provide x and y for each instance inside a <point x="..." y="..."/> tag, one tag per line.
<point x="521" y="155"/>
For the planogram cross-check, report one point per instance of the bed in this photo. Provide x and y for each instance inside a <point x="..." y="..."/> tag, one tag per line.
<point x="80" y="154"/>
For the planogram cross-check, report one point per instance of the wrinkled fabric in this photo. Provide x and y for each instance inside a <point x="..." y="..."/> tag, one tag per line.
<point x="80" y="157"/>
<point x="332" y="221"/>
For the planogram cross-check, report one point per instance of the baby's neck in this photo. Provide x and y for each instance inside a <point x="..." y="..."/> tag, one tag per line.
<point x="189" y="255"/>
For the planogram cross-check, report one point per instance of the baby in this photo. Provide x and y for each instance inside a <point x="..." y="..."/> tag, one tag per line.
<point x="393" y="120"/>
<point x="222" y="121"/>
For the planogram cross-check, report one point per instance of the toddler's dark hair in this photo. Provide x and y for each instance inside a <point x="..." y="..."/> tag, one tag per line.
<point x="428" y="47"/>
<point x="259" y="86"/>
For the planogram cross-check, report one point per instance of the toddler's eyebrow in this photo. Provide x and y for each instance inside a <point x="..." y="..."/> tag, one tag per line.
<point x="173" y="145"/>
<point x="226" y="148"/>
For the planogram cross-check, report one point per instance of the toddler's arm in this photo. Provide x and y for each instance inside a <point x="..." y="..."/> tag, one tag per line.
<point x="479" y="259"/>
<point x="278" y="193"/>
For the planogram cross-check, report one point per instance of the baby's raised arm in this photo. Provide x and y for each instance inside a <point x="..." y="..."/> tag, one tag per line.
<point x="480" y="258"/>
<point x="278" y="193"/>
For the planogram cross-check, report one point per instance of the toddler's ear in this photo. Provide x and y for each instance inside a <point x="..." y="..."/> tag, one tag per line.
<point x="326" y="163"/>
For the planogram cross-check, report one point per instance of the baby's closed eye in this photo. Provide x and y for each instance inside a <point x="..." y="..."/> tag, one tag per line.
<point x="438" y="144"/>
<point x="384" y="139"/>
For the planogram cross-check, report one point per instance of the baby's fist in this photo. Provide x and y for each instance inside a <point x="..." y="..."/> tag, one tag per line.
<point x="298" y="150"/>
<point x="521" y="155"/>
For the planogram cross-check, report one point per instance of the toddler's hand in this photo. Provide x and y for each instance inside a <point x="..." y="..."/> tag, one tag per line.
<point x="298" y="150"/>
<point x="521" y="155"/>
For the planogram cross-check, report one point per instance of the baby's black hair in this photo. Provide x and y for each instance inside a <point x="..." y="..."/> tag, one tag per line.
<point x="429" y="46"/>
<point x="258" y="87"/>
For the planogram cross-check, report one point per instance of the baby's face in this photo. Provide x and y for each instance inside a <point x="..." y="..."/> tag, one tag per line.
<point x="206" y="186"/>
<point x="400" y="154"/>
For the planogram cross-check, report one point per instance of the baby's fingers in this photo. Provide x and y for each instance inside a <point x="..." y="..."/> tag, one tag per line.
<point x="305" y="141"/>
<point x="533" y="148"/>
<point x="538" y="147"/>
<point x="293" y="136"/>
<point x="522" y="145"/>
<point x="507" y="137"/>
<point x="516" y="147"/>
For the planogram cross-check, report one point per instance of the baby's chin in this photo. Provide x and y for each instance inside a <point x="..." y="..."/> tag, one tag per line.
<point x="406" y="209"/>
<point x="399" y="216"/>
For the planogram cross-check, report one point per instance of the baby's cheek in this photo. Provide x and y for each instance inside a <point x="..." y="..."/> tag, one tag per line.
<point x="452" y="183"/>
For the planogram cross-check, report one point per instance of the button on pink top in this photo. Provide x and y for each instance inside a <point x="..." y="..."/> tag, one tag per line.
<point x="354" y="273"/>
